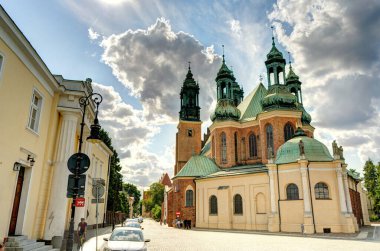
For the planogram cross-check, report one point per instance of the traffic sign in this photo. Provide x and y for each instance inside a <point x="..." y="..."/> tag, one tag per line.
<point x="100" y="191"/>
<point x="71" y="183"/>
<point x="79" y="202"/>
<point x="80" y="159"/>
<point x="99" y="200"/>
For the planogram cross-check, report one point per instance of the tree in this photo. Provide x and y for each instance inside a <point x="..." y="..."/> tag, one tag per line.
<point x="371" y="183"/>
<point x="114" y="199"/>
<point x="132" y="190"/>
<point x="157" y="191"/>
<point x="156" y="212"/>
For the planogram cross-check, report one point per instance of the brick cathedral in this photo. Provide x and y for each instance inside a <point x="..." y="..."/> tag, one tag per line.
<point x="259" y="167"/>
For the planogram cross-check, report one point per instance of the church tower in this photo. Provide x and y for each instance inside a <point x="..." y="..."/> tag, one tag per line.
<point x="188" y="137"/>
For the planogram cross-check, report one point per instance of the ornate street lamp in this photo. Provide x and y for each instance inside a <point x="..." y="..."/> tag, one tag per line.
<point x="93" y="138"/>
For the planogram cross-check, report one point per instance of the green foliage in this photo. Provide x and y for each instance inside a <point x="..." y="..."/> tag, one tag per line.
<point x="373" y="218"/>
<point x="372" y="183"/>
<point x="156" y="212"/>
<point x="148" y="204"/>
<point x="132" y="190"/>
<point x="115" y="200"/>
<point x="157" y="191"/>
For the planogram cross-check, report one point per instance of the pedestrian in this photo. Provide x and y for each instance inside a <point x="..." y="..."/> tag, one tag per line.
<point x="82" y="231"/>
<point x="1" y="246"/>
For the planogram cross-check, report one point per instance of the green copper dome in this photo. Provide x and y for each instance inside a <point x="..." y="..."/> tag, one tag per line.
<point x="189" y="80"/>
<point x="306" y="118"/>
<point x="291" y="75"/>
<point x="279" y="97"/>
<point x="274" y="52"/>
<point x="289" y="152"/>
<point x="224" y="72"/>
<point x="225" y="109"/>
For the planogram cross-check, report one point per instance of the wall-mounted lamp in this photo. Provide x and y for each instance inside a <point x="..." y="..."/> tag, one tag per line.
<point x="16" y="166"/>
<point x="31" y="160"/>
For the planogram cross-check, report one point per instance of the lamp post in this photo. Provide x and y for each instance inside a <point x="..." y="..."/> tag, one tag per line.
<point x="93" y="138"/>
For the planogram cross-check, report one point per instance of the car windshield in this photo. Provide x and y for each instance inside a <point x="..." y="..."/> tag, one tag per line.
<point x="132" y="224"/>
<point x="126" y="235"/>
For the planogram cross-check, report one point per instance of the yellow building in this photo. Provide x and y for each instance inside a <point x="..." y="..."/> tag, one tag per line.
<point x="40" y="129"/>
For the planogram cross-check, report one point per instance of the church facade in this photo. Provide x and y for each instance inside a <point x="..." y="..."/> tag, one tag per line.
<point x="259" y="166"/>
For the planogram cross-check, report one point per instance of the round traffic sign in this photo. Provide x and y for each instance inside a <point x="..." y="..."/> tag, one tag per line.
<point x="100" y="191"/>
<point x="78" y="159"/>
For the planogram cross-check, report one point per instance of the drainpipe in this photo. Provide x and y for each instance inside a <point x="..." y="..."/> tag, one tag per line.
<point x="278" y="200"/>
<point x="311" y="198"/>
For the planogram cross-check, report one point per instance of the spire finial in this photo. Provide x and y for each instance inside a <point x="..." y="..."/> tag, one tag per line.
<point x="189" y="65"/>
<point x="272" y="35"/>
<point x="223" y="52"/>
<point x="290" y="61"/>
<point x="261" y="78"/>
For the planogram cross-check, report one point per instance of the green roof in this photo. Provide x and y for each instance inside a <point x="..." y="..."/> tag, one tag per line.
<point x="238" y="170"/>
<point x="251" y="105"/>
<point x="198" y="166"/>
<point x="289" y="152"/>
<point x="355" y="176"/>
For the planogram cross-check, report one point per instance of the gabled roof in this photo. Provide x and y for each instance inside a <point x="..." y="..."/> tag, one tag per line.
<point x="251" y="105"/>
<point x="198" y="166"/>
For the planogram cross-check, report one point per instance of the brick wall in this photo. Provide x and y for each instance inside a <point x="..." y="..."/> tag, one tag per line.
<point x="278" y="124"/>
<point x="356" y="206"/>
<point x="177" y="200"/>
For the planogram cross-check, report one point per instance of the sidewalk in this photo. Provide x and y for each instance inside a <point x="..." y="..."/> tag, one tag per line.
<point x="91" y="235"/>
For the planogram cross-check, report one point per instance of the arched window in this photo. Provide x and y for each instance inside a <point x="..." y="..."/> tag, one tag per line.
<point x="321" y="191"/>
<point x="252" y="146"/>
<point x="236" y="147"/>
<point x="238" y="204"/>
<point x="292" y="192"/>
<point x="223" y="147"/>
<point x="189" y="198"/>
<point x="288" y="131"/>
<point x="269" y="130"/>
<point x="213" y="205"/>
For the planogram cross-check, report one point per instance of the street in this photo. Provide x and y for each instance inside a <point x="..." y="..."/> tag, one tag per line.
<point x="165" y="238"/>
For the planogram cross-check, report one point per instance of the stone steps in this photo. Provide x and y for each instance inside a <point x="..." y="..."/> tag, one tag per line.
<point x="21" y="243"/>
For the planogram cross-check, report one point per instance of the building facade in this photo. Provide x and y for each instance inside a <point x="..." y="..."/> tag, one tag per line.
<point x="260" y="167"/>
<point x="41" y="125"/>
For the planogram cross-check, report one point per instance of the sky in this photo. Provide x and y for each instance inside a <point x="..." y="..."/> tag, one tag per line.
<point x="137" y="53"/>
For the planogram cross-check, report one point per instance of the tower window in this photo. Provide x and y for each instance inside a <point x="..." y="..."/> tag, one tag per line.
<point x="269" y="131"/>
<point x="252" y="146"/>
<point x="223" y="147"/>
<point x="190" y="132"/>
<point x="288" y="131"/>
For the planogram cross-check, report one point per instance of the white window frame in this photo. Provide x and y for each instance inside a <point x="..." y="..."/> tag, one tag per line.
<point x="39" y="111"/>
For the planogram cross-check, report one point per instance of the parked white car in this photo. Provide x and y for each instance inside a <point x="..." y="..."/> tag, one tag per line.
<point x="126" y="239"/>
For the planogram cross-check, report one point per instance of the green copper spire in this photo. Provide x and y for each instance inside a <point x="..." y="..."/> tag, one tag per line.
<point x="190" y="109"/>
<point x="229" y="94"/>
<point x="275" y="64"/>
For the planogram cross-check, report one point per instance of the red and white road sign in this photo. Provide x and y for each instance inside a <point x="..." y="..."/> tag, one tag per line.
<point x="178" y="213"/>
<point x="79" y="202"/>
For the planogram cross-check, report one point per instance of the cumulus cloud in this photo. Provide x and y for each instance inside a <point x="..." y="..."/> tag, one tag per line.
<point x="93" y="35"/>
<point x="337" y="55"/>
<point x="152" y="64"/>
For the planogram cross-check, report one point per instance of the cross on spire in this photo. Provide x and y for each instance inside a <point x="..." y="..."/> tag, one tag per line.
<point x="261" y="78"/>
<point x="223" y="52"/>
<point x="272" y="35"/>
<point x="290" y="61"/>
<point x="189" y="64"/>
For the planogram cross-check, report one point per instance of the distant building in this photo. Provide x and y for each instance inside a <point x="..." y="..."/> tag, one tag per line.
<point x="260" y="167"/>
<point x="40" y="129"/>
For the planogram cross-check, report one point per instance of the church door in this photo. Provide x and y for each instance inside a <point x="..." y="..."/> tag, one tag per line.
<point x="16" y="202"/>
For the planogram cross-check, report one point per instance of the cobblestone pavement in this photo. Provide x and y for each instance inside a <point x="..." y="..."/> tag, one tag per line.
<point x="168" y="239"/>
